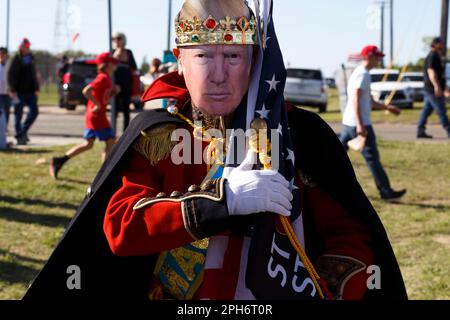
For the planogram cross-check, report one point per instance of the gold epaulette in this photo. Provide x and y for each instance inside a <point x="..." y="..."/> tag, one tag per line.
<point x="155" y="143"/>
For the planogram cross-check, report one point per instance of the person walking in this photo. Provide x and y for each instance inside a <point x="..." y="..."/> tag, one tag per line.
<point x="24" y="88"/>
<point x="434" y="90"/>
<point x="357" y="120"/>
<point x="123" y="77"/>
<point x="98" y="92"/>
<point x="155" y="71"/>
<point x="5" y="99"/>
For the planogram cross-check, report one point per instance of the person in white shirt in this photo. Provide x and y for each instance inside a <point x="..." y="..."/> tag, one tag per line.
<point x="357" y="120"/>
<point x="5" y="100"/>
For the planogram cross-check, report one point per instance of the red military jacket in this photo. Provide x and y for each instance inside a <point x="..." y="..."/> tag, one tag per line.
<point x="161" y="226"/>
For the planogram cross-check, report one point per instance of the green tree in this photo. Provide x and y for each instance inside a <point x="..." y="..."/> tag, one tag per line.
<point x="145" y="66"/>
<point x="46" y="65"/>
<point x="76" y="54"/>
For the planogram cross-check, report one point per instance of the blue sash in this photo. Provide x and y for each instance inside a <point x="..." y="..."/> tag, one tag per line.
<point x="179" y="272"/>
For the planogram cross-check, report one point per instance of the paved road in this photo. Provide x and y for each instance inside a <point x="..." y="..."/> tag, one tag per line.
<point x="57" y="126"/>
<point x="404" y="132"/>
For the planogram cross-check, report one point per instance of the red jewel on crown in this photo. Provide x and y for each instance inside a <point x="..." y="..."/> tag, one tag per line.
<point x="210" y="23"/>
<point x="228" y="37"/>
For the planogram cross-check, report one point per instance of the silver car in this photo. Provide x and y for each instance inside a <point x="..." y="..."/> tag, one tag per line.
<point x="306" y="87"/>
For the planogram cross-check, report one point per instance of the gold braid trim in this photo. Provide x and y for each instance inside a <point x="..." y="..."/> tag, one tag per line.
<point x="155" y="144"/>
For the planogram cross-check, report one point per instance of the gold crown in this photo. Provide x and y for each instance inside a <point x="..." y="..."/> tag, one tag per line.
<point x="211" y="31"/>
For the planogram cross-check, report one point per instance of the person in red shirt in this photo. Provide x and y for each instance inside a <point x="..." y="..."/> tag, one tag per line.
<point x="98" y="92"/>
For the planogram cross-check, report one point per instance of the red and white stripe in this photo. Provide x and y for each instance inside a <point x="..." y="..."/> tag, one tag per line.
<point x="226" y="266"/>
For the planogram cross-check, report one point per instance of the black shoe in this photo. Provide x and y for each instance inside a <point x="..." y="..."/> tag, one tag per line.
<point x="21" y="141"/>
<point x="393" y="195"/>
<point x="25" y="136"/>
<point x="423" y="135"/>
<point x="55" y="165"/>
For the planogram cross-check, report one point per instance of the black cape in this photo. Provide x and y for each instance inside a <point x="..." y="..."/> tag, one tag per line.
<point x="319" y="154"/>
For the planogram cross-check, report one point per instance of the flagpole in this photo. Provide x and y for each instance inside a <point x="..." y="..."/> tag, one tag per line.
<point x="169" y="28"/>
<point x="110" y="25"/>
<point x="7" y="22"/>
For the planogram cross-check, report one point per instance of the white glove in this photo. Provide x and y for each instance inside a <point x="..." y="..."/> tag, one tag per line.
<point x="250" y="191"/>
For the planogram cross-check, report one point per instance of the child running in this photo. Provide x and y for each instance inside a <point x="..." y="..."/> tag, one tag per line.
<point x="98" y="93"/>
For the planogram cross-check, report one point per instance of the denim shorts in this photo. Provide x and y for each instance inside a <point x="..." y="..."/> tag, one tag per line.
<point x="100" y="134"/>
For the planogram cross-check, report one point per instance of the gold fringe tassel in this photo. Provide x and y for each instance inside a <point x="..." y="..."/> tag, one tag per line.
<point x="155" y="144"/>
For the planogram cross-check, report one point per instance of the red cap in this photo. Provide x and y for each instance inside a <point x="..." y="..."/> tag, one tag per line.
<point x="369" y="51"/>
<point x="105" y="57"/>
<point x="25" y="42"/>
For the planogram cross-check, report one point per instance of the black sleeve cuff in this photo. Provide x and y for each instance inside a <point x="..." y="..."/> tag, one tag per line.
<point x="204" y="218"/>
<point x="204" y="208"/>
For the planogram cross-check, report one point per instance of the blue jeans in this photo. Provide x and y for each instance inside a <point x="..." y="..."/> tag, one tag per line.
<point x="29" y="99"/>
<point x="371" y="155"/>
<point x="3" y="142"/>
<point x="5" y="104"/>
<point x="433" y="103"/>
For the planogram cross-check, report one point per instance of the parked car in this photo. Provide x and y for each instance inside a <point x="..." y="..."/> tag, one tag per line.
<point x="381" y="90"/>
<point x="447" y="74"/>
<point x="306" y="87"/>
<point x="415" y="81"/>
<point x="330" y="83"/>
<point x="83" y="71"/>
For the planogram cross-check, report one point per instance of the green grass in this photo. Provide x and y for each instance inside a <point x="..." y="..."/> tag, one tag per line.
<point x="34" y="210"/>
<point x="408" y="116"/>
<point x="419" y="226"/>
<point x="48" y="94"/>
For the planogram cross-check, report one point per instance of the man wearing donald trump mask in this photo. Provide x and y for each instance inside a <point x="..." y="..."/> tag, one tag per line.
<point x="185" y="210"/>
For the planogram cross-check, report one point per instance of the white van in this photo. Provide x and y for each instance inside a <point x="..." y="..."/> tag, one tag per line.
<point x="381" y="90"/>
<point x="415" y="81"/>
<point x="306" y="87"/>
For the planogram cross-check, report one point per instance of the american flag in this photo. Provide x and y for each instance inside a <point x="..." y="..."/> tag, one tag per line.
<point x="274" y="268"/>
<point x="354" y="58"/>
<point x="264" y="264"/>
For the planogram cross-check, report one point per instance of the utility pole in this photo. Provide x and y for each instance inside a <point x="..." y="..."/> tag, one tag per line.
<point x="7" y="23"/>
<point x="444" y="25"/>
<point x="382" y="3"/>
<point x="169" y="28"/>
<point x="110" y="25"/>
<point x="392" y="31"/>
<point x="112" y="100"/>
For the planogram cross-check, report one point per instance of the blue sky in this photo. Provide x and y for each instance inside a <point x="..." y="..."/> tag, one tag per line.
<point x="316" y="34"/>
